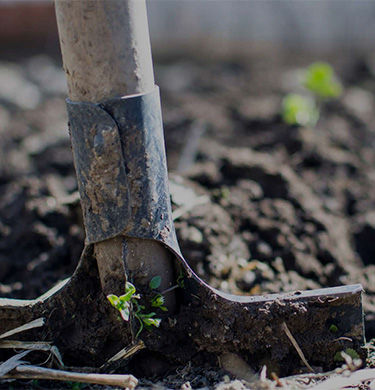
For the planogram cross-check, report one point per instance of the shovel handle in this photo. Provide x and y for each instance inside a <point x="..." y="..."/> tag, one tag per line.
<point x="105" y="47"/>
<point x="106" y="54"/>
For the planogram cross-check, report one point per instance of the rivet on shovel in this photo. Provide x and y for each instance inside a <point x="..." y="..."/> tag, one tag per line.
<point x="118" y="146"/>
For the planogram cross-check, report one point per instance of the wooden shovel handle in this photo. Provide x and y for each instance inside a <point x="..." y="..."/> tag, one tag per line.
<point x="105" y="47"/>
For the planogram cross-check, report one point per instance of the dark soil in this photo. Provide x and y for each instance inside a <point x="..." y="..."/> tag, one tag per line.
<point x="261" y="206"/>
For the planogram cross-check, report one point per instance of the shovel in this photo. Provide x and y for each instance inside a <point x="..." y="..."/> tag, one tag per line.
<point x="118" y="147"/>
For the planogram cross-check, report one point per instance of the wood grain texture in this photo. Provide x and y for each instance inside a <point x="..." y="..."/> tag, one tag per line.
<point x="105" y="47"/>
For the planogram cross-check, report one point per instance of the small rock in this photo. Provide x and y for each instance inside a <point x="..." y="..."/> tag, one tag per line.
<point x="16" y="89"/>
<point x="48" y="76"/>
<point x="360" y="102"/>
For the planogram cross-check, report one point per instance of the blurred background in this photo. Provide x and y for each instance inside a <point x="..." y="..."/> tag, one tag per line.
<point x="311" y="24"/>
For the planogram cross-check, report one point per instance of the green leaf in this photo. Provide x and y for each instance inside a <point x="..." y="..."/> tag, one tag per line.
<point x="299" y="110"/>
<point x="129" y="293"/>
<point x="124" y="298"/>
<point x="129" y="288"/>
<point x="180" y="280"/>
<point x="114" y="299"/>
<point x="333" y="328"/>
<point x="121" y="304"/>
<point x="125" y="313"/>
<point x="152" y="321"/>
<point x="149" y="315"/>
<point x="155" y="282"/>
<point x="157" y="301"/>
<point x="321" y="80"/>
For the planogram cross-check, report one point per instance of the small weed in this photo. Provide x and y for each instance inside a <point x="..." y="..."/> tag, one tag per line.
<point x="333" y="328"/>
<point x="124" y="303"/>
<point x="180" y="279"/>
<point x="146" y="321"/>
<point x="299" y="110"/>
<point x="320" y="79"/>
<point x="158" y="301"/>
<point x="321" y="84"/>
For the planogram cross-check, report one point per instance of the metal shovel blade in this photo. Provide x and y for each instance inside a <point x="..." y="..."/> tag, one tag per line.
<point x="80" y="322"/>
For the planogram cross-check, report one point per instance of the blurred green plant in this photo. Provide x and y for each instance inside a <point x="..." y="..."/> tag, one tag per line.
<point x="333" y="328"/>
<point x="321" y="80"/>
<point x="299" y="110"/>
<point x="321" y="84"/>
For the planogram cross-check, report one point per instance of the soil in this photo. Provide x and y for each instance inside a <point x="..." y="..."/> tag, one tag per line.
<point x="260" y="206"/>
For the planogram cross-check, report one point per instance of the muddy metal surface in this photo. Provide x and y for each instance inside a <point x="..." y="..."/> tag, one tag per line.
<point x="259" y="206"/>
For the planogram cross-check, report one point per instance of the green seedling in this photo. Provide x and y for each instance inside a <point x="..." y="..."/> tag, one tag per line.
<point x="123" y="302"/>
<point x="321" y="80"/>
<point x="321" y="84"/>
<point x="181" y="279"/>
<point x="146" y="321"/>
<point x="299" y="110"/>
<point x="333" y="328"/>
<point x="158" y="301"/>
<point x="129" y="300"/>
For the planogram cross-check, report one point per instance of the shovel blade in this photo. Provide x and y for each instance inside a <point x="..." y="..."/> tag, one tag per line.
<point x="280" y="330"/>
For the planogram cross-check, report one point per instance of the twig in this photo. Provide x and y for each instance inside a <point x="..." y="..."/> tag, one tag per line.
<point x="170" y="289"/>
<point x="33" y="346"/>
<point x="126" y="352"/>
<point x="11" y="363"/>
<point x="34" y="372"/>
<point x="276" y="379"/>
<point x="343" y="338"/>
<point x="30" y="345"/>
<point x="296" y="346"/>
<point x="30" y="325"/>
